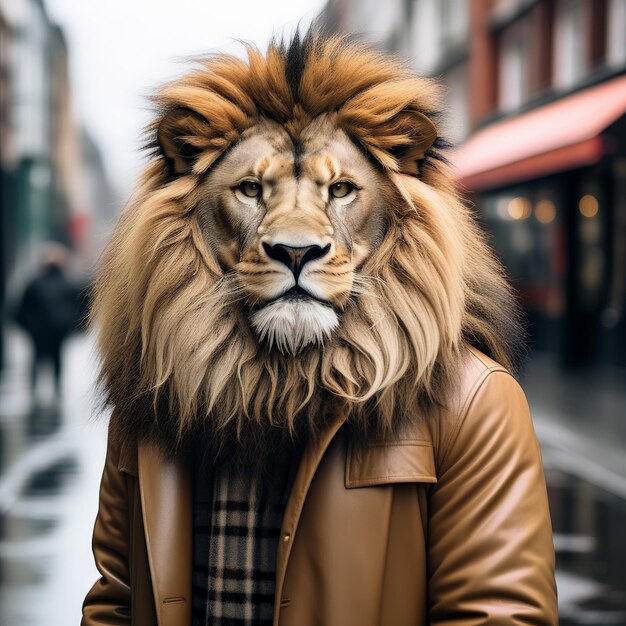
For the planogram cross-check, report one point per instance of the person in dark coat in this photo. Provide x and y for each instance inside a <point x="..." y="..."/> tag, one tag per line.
<point x="50" y="309"/>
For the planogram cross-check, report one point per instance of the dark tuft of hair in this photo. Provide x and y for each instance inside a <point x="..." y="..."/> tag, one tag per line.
<point x="438" y="150"/>
<point x="296" y="53"/>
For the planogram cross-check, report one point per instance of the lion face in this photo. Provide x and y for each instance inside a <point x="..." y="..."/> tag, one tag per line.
<point x="294" y="199"/>
<point x="294" y="221"/>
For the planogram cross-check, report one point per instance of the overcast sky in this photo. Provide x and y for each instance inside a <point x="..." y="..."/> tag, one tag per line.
<point x="121" y="49"/>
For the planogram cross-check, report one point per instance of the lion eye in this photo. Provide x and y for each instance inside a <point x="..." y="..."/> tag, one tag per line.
<point x="250" y="188"/>
<point x="341" y="189"/>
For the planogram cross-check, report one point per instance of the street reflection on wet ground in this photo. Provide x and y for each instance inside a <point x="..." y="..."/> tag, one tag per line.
<point x="580" y="419"/>
<point x="589" y="527"/>
<point x="51" y="459"/>
<point x="50" y="465"/>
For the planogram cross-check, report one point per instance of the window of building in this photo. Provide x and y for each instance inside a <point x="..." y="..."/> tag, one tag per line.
<point x="454" y="22"/>
<point x="571" y="42"/>
<point x="437" y="27"/>
<point x="523" y="51"/>
<point x="528" y="233"/>
<point x="513" y="80"/>
<point x="616" y="37"/>
<point x="425" y="39"/>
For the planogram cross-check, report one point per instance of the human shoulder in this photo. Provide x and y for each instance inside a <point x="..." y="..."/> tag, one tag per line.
<point x="487" y="398"/>
<point x="476" y="368"/>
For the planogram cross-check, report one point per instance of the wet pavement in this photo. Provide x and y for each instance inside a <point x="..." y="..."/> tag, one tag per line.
<point x="51" y="461"/>
<point x="580" y="419"/>
<point x="589" y="526"/>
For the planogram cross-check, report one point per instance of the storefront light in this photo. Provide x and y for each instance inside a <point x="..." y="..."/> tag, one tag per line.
<point x="588" y="206"/>
<point x="519" y="208"/>
<point x="502" y="208"/>
<point x="545" y="211"/>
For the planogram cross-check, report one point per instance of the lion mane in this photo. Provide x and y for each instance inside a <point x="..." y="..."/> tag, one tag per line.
<point x="178" y="356"/>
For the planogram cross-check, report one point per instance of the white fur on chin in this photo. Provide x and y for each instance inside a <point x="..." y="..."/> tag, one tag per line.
<point x="293" y="324"/>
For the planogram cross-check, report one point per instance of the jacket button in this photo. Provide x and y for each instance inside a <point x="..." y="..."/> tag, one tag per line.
<point x="286" y="537"/>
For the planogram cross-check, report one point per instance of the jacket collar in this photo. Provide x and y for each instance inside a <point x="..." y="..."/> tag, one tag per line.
<point x="167" y="507"/>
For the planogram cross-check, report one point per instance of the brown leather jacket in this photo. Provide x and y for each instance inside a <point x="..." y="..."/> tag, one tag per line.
<point x="448" y="525"/>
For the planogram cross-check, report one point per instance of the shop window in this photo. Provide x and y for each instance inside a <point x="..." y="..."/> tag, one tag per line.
<point x="590" y="242"/>
<point x="527" y="231"/>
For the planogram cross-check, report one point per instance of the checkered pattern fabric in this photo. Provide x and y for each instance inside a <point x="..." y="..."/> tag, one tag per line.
<point x="237" y="526"/>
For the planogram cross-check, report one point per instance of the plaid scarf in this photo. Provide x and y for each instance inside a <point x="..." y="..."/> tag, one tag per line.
<point x="237" y="524"/>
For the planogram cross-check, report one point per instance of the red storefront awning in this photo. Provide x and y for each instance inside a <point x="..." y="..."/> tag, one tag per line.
<point x="556" y="137"/>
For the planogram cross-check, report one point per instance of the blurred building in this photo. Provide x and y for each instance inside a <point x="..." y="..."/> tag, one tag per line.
<point x="91" y="225"/>
<point x="53" y="185"/>
<point x="40" y="192"/>
<point x="536" y="98"/>
<point x="6" y="155"/>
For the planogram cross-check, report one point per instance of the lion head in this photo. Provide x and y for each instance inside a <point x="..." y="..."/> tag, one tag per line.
<point x="296" y="240"/>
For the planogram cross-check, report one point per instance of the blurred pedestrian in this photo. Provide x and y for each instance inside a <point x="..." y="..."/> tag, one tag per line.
<point x="50" y="309"/>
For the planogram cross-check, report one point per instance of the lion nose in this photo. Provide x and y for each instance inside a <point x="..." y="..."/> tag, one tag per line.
<point x="295" y="257"/>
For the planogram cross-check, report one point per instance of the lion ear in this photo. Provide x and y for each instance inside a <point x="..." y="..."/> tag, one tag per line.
<point x="419" y="134"/>
<point x="181" y="135"/>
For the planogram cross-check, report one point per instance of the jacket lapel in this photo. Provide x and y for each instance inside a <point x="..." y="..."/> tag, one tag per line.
<point x="166" y="504"/>
<point x="311" y="458"/>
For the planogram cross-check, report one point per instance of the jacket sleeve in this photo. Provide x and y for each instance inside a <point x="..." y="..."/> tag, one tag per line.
<point x="491" y="556"/>
<point x="108" y="601"/>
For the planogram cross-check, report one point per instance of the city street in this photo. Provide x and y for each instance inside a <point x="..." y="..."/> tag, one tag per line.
<point x="51" y="463"/>
<point x="50" y="471"/>
<point x="507" y="113"/>
<point x="579" y="419"/>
